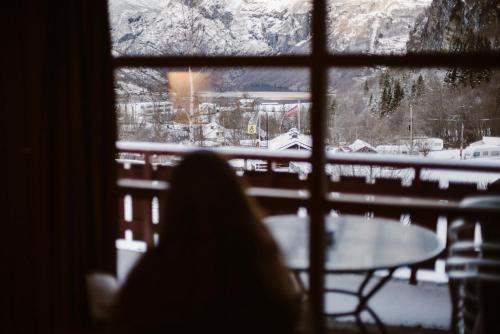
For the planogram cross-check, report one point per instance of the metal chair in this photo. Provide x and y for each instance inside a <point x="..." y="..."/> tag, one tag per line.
<point x="473" y="267"/>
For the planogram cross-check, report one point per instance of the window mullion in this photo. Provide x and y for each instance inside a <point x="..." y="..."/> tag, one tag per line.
<point x="317" y="184"/>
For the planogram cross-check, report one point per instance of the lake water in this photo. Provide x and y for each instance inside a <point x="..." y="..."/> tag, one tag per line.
<point x="269" y="96"/>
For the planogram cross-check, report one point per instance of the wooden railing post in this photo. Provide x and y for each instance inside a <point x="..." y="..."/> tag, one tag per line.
<point x="147" y="204"/>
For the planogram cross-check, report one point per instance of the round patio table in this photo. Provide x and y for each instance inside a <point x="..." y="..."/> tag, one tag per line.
<point x="356" y="245"/>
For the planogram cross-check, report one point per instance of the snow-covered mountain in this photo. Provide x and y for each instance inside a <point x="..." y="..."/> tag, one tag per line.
<point x="254" y="27"/>
<point x="380" y="26"/>
<point x="258" y="26"/>
<point x="457" y="25"/>
<point x="208" y="26"/>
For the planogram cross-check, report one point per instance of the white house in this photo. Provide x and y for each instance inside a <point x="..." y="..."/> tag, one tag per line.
<point x="213" y="133"/>
<point x="292" y="140"/>
<point x="486" y="148"/>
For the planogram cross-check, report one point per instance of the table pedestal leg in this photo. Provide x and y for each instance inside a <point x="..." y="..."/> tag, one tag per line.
<point x="363" y="294"/>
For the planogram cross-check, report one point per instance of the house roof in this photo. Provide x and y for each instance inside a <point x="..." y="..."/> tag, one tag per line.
<point x="290" y="139"/>
<point x="490" y="141"/>
<point x="359" y="145"/>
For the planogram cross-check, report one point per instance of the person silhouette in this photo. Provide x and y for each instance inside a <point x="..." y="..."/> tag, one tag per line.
<point x="216" y="267"/>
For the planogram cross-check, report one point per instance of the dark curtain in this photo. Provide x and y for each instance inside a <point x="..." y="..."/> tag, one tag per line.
<point x="58" y="132"/>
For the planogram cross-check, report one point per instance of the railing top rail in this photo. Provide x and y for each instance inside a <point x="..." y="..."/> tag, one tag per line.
<point x="367" y="159"/>
<point x="228" y="152"/>
<point x="399" y="161"/>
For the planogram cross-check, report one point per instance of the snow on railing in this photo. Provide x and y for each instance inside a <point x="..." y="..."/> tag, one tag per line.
<point x="229" y="152"/>
<point x="397" y="161"/>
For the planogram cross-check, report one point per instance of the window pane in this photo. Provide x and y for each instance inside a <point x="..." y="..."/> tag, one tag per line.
<point x="400" y="26"/>
<point x="257" y="109"/>
<point x="212" y="107"/>
<point x="220" y="27"/>
<point x="428" y="113"/>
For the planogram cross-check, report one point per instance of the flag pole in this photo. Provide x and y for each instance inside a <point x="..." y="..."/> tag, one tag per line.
<point x="267" y="130"/>
<point x="298" y="117"/>
<point x="258" y="127"/>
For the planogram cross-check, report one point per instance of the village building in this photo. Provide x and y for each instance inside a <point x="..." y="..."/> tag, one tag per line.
<point x="210" y="134"/>
<point x="486" y="148"/>
<point x="358" y="146"/>
<point x="292" y="140"/>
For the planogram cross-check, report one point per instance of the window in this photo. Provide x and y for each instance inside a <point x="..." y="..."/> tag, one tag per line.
<point x="495" y="153"/>
<point x="379" y="88"/>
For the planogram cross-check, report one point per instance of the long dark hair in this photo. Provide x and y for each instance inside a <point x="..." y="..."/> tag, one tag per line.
<point x="216" y="264"/>
<point x="207" y="206"/>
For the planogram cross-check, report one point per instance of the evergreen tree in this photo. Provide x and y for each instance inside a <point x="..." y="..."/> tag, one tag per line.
<point x="392" y="93"/>
<point x="420" y="87"/>
<point x="397" y="97"/>
<point x="386" y="95"/>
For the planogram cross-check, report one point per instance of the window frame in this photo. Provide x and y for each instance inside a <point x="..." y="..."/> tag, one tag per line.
<point x="319" y="61"/>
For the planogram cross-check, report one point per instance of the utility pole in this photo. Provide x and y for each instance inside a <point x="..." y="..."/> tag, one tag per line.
<point x="298" y="117"/>
<point x="411" y="129"/>
<point x="258" y="127"/>
<point x="462" y="138"/>
<point x="461" y="120"/>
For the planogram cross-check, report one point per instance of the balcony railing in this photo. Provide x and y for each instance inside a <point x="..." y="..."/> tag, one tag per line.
<point x="409" y="189"/>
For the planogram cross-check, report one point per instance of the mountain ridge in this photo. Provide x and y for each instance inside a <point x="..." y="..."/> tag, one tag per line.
<point x="254" y="27"/>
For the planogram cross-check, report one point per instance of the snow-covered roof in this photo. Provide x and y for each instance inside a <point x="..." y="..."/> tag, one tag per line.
<point x="487" y="141"/>
<point x="359" y="145"/>
<point x="289" y="139"/>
